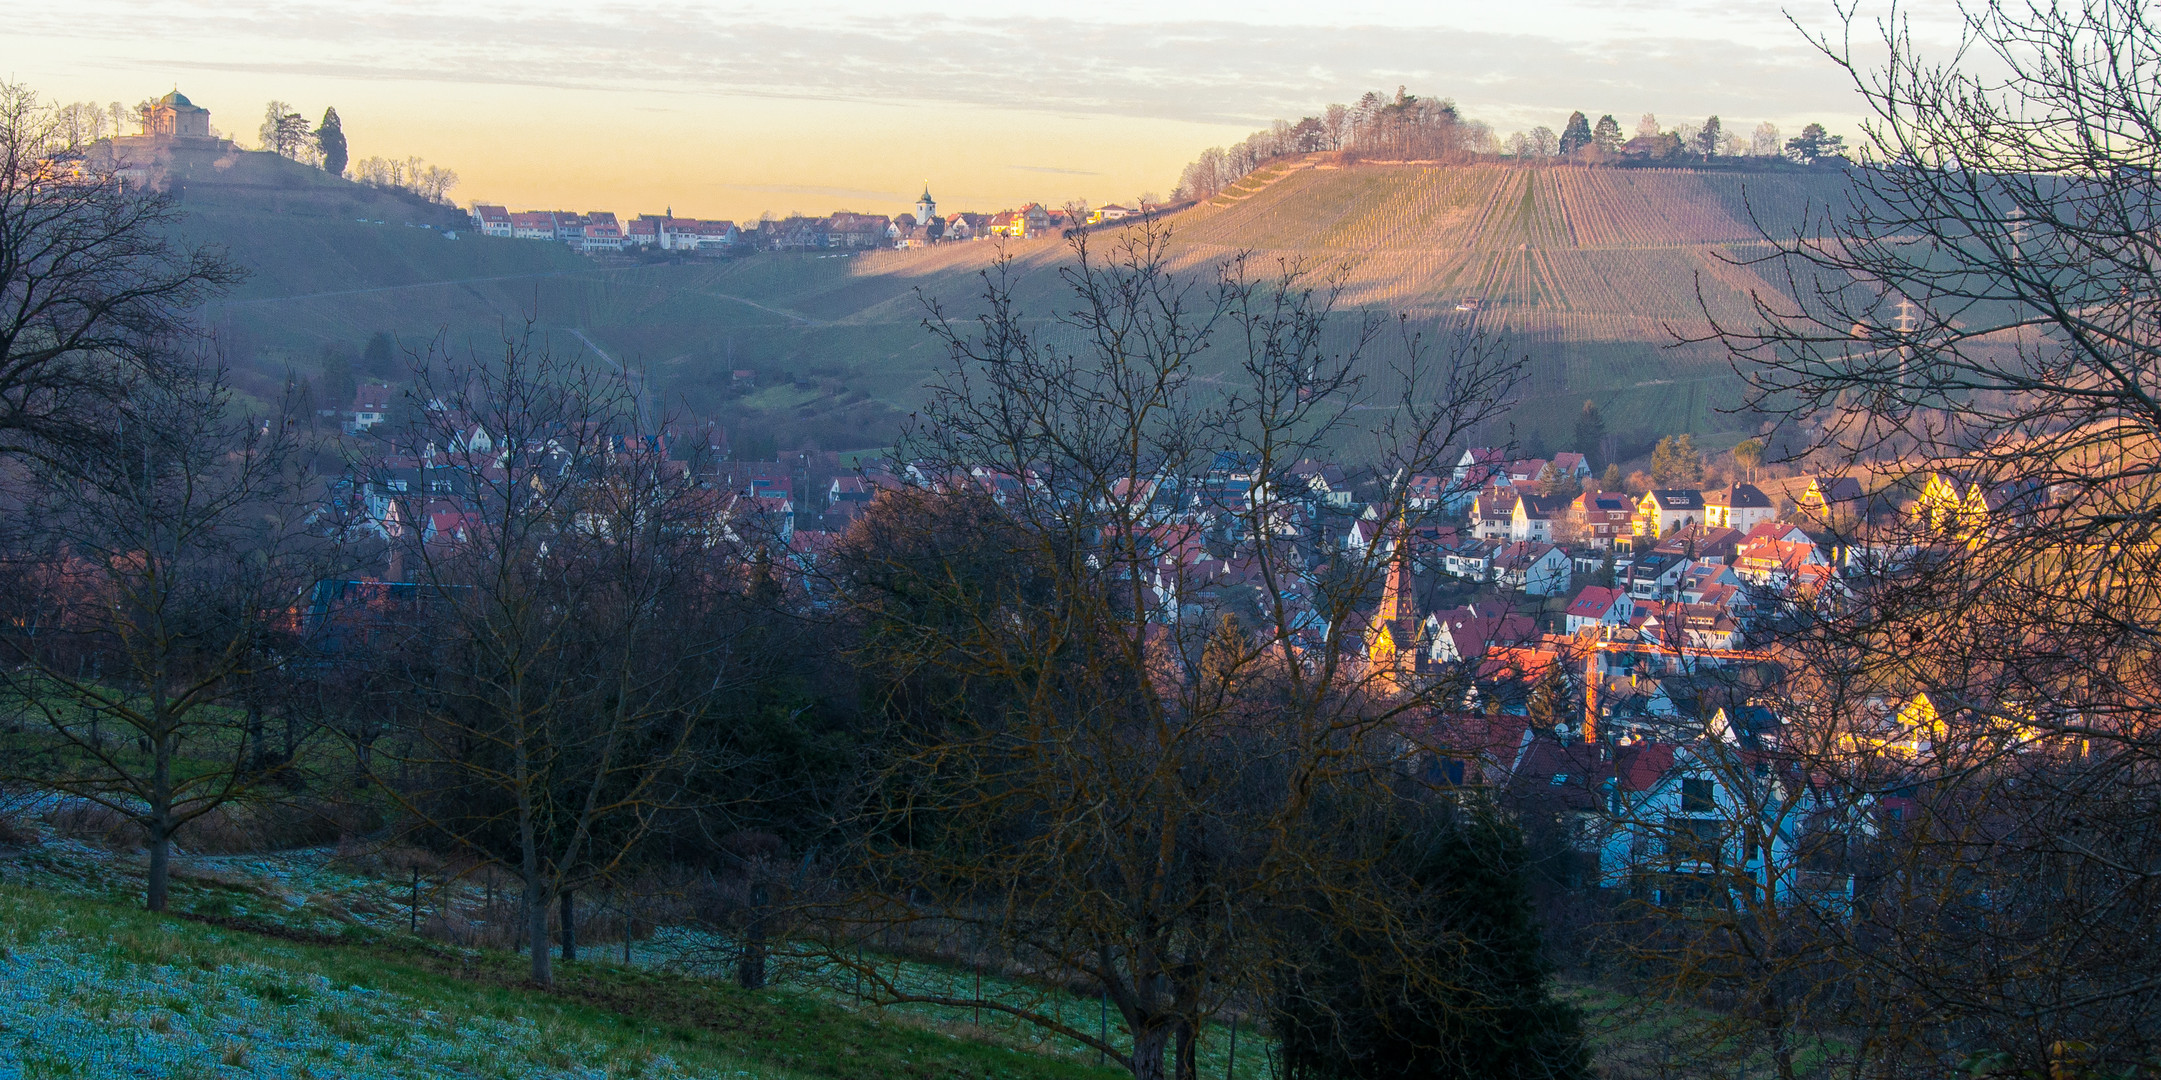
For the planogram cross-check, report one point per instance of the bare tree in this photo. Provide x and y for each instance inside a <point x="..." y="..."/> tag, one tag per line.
<point x="150" y="590"/>
<point x="1973" y="324"/>
<point x="1764" y="141"/>
<point x="93" y="287"/>
<point x="567" y="652"/>
<point x="1101" y="772"/>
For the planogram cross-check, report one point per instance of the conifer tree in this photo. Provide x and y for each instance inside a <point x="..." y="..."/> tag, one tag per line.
<point x="1591" y="434"/>
<point x="1607" y="135"/>
<point x="1576" y="135"/>
<point x="1707" y="138"/>
<point x="1675" y="462"/>
<point x="330" y="139"/>
<point x="1482" y="1005"/>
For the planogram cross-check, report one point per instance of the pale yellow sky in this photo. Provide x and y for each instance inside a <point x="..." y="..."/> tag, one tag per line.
<point x="830" y="104"/>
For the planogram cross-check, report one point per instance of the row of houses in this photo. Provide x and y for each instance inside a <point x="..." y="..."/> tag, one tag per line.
<point x="600" y="231"/>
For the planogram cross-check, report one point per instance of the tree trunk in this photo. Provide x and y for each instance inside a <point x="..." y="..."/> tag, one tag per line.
<point x="1148" y="1045"/>
<point x="159" y="875"/>
<point x="750" y="967"/>
<point x="160" y="826"/>
<point x="1189" y="1066"/>
<point x="570" y="926"/>
<point x="536" y="930"/>
<point x="258" y="755"/>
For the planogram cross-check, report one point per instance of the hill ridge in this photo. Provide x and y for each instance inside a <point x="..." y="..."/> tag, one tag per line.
<point x="1586" y="270"/>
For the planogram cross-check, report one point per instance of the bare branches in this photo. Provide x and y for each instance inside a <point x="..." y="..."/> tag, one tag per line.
<point x="94" y="292"/>
<point x="1098" y="767"/>
<point x="154" y="579"/>
<point x="1973" y="332"/>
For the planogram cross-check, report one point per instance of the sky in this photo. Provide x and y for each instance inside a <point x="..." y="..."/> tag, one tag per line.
<point x="720" y="110"/>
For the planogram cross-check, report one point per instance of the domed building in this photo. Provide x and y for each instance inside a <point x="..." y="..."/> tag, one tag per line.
<point x="175" y="117"/>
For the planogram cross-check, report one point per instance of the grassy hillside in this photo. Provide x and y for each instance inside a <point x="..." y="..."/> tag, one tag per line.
<point x="1589" y="271"/>
<point x="264" y="971"/>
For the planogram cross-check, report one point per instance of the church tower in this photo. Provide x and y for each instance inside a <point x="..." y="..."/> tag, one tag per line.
<point x="926" y="208"/>
<point x="1392" y="635"/>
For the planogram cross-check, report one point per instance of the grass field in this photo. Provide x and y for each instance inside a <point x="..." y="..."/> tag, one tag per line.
<point x="249" y="977"/>
<point x="298" y="964"/>
<point x="1589" y="272"/>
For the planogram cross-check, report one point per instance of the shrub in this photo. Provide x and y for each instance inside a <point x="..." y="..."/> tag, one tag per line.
<point x="94" y="824"/>
<point x="17" y="833"/>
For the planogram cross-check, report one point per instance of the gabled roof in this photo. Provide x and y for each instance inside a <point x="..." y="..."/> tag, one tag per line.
<point x="1675" y="498"/>
<point x="1522" y="555"/>
<point x="1738" y="497"/>
<point x="1543" y="506"/>
<point x="1776" y="530"/>
<point x="1594" y="601"/>
<point x="1835" y="489"/>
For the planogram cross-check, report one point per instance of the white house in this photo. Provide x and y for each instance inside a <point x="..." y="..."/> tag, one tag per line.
<point x="1598" y="606"/>
<point x="1535" y="516"/>
<point x="492" y="220"/>
<point x="1741" y="507"/>
<point x="1712" y="820"/>
<point x="1534" y="568"/>
<point x="1473" y="559"/>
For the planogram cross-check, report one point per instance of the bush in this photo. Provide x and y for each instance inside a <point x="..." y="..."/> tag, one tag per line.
<point x="235" y="829"/>
<point x="17" y="833"/>
<point x="95" y="824"/>
<point x="1473" y="1002"/>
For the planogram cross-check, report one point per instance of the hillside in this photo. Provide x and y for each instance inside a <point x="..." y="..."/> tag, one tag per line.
<point x="1587" y="270"/>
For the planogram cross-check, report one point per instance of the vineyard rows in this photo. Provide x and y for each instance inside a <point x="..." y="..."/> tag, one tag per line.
<point x="1591" y="254"/>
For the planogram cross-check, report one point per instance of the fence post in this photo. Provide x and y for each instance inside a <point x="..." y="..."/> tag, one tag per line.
<point x="1230" y="1066"/>
<point x="412" y="910"/>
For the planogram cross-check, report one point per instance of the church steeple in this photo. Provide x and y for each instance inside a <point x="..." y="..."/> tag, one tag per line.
<point x="1399" y="596"/>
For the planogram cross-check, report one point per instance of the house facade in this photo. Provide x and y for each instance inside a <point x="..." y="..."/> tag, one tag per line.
<point x="1741" y="507"/>
<point x="1662" y="510"/>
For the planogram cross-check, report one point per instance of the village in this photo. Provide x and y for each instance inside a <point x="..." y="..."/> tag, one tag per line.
<point x="1613" y="657"/>
<point x="601" y="232"/>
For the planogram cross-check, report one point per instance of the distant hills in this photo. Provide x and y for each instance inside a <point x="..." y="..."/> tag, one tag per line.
<point x="1585" y="269"/>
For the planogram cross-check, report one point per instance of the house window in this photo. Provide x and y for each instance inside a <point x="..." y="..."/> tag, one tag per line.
<point x="1696" y="796"/>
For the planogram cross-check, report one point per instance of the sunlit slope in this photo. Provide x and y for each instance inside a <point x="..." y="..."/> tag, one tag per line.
<point x="1592" y="273"/>
<point x="1595" y="254"/>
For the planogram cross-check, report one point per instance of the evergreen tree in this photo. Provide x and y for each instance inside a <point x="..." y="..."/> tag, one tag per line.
<point x="330" y="139"/>
<point x="1576" y="135"/>
<point x="1611" y="479"/>
<point x="1552" y="480"/>
<point x="1675" y="462"/>
<point x="1814" y="144"/>
<point x="1549" y="698"/>
<point x="1607" y="135"/>
<point x="1708" y="138"/>
<point x="1591" y="434"/>
<point x="1473" y="1001"/>
<point x="381" y="358"/>
<point x="337" y="381"/>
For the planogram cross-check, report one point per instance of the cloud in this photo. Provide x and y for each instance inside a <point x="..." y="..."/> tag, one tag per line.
<point x="1213" y="71"/>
